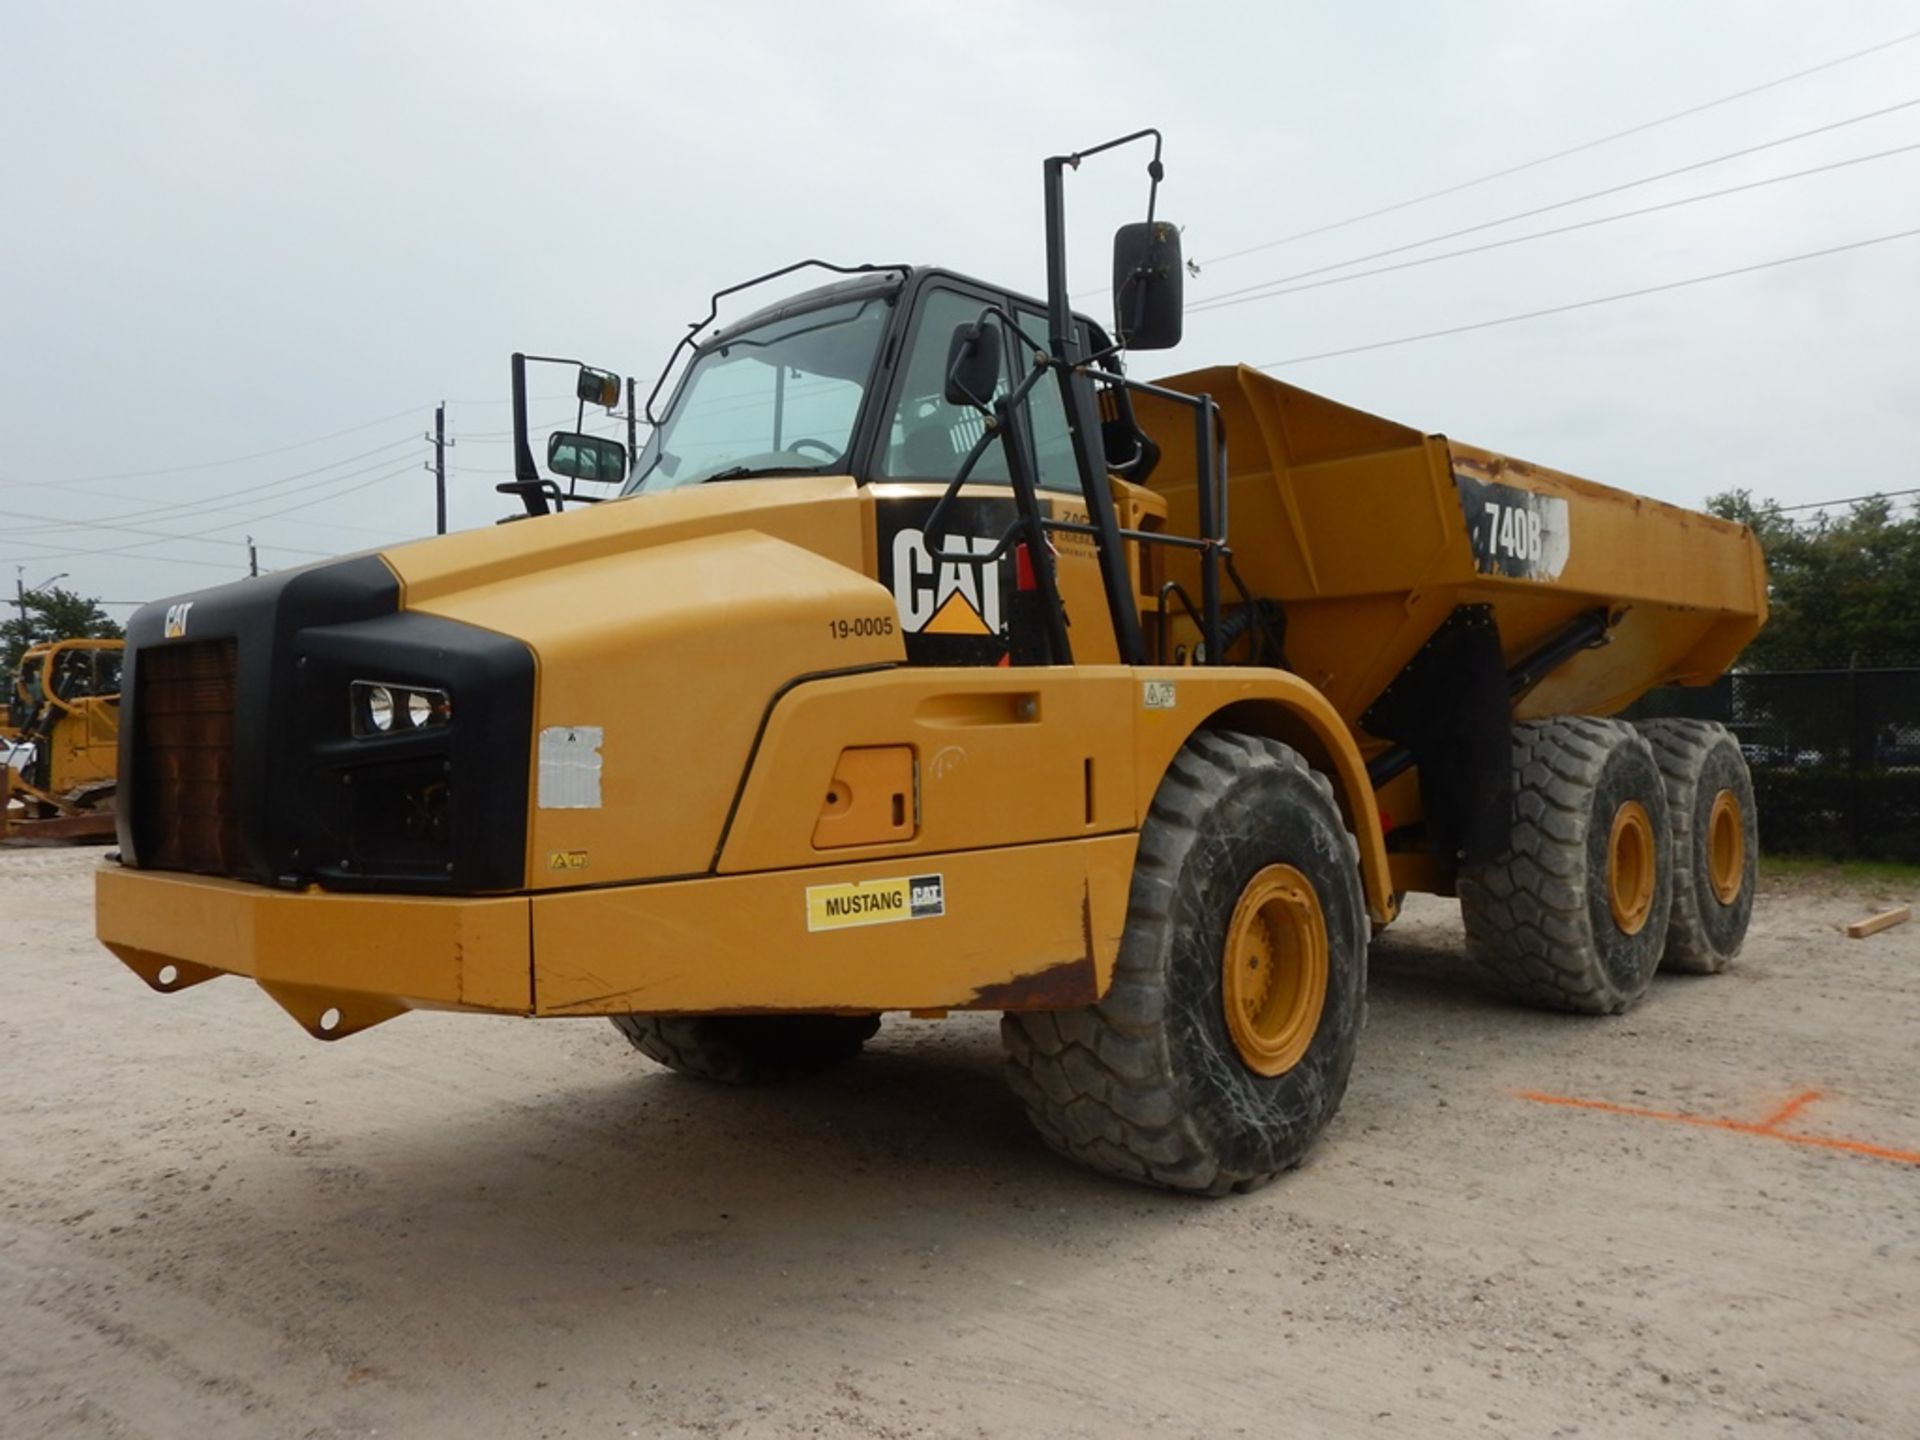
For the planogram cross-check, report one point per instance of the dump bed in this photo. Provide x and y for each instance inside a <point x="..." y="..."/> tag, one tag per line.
<point x="1371" y="534"/>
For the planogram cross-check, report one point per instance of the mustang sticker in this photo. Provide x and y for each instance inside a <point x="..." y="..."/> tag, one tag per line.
<point x="875" y="902"/>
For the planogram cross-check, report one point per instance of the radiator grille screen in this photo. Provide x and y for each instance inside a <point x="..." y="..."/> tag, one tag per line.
<point x="185" y="816"/>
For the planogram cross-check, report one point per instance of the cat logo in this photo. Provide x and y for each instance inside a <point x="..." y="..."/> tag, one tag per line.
<point x="946" y="597"/>
<point x="567" y="860"/>
<point x="177" y="619"/>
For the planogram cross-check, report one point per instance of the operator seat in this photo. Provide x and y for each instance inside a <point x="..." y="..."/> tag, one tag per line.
<point x="928" y="454"/>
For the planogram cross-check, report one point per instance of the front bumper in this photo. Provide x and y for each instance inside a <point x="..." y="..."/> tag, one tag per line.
<point x="1019" y="927"/>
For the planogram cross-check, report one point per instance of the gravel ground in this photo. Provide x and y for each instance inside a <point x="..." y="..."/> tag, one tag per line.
<point x="212" y="1226"/>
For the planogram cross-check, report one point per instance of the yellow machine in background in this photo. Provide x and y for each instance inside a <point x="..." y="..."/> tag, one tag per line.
<point x="927" y="662"/>
<point x="64" y="734"/>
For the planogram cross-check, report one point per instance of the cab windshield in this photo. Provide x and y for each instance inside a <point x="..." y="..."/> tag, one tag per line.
<point x="779" y="399"/>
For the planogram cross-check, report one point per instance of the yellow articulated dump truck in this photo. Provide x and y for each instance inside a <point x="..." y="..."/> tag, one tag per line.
<point x="923" y="660"/>
<point x="63" y="738"/>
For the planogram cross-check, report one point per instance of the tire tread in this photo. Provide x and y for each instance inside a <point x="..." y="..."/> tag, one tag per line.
<point x="1099" y="1082"/>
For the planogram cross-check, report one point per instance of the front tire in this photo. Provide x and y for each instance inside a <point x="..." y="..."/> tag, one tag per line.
<point x="747" y="1049"/>
<point x="1223" y="1045"/>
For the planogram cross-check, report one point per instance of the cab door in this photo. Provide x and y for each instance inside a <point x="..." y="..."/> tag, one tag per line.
<point x="963" y="609"/>
<point x="959" y="607"/>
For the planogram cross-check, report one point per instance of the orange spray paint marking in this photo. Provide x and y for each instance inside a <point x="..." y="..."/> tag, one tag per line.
<point x="1768" y="1129"/>
<point x="1792" y="1108"/>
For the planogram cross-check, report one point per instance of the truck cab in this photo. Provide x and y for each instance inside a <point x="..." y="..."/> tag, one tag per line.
<point x="850" y="379"/>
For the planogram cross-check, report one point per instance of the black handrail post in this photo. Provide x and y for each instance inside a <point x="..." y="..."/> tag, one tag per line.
<point x="1039" y="548"/>
<point x="1095" y="488"/>
<point x="1207" y="492"/>
<point x="525" y="473"/>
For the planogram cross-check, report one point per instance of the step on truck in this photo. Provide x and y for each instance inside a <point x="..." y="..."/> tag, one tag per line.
<point x="924" y="660"/>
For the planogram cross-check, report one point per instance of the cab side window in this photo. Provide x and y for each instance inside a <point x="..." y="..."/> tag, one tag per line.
<point x="1052" y="441"/>
<point x="928" y="438"/>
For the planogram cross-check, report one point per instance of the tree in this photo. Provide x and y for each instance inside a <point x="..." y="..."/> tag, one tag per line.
<point x="51" y="613"/>
<point x="1843" y="590"/>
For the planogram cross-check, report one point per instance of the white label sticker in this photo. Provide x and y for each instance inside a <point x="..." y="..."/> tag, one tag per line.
<point x="1157" y="694"/>
<point x="570" y="767"/>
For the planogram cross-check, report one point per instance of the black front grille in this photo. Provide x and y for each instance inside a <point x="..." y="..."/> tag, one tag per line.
<point x="238" y="756"/>
<point x="185" y="808"/>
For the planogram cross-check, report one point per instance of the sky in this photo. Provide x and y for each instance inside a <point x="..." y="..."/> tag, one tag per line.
<point x="246" y="248"/>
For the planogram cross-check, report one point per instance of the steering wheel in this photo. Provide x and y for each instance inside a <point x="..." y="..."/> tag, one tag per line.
<point x="820" y="445"/>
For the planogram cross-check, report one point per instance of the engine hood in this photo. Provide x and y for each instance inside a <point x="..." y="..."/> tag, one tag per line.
<point x="662" y="628"/>
<point x="828" y="515"/>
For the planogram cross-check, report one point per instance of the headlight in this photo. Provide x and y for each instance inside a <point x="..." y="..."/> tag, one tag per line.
<point x="380" y="708"/>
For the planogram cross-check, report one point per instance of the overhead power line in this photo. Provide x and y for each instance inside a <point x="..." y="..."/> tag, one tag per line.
<point x="406" y="468"/>
<point x="1563" y="204"/>
<point x="237" y="565"/>
<point x="182" y="509"/>
<point x="26" y="536"/>
<point x="1581" y="148"/>
<point x="1589" y="304"/>
<point x="1850" y="500"/>
<point x="507" y="400"/>
<point x="232" y="459"/>
<point x="1225" y="303"/>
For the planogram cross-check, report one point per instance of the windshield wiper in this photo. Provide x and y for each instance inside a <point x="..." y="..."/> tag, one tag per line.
<point x="754" y="472"/>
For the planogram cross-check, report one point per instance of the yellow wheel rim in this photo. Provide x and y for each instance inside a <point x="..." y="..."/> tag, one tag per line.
<point x="1726" y="847"/>
<point x="1274" y="971"/>
<point x="1630" y="862"/>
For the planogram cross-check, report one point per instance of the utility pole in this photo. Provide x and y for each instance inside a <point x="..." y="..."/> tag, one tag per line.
<point x="253" y="558"/>
<point x="20" y="593"/>
<point x="440" y="443"/>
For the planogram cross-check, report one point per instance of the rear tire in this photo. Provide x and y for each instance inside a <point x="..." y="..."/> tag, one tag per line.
<point x="747" y="1049"/>
<point x="1574" y="915"/>
<point x="1246" y="893"/>
<point x="1716" y="842"/>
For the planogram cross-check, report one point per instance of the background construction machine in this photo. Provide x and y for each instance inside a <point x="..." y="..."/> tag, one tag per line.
<point x="63" y="735"/>
<point x="929" y="662"/>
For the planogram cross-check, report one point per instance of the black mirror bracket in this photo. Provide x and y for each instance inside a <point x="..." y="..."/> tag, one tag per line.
<point x="1063" y="346"/>
<point x="540" y="495"/>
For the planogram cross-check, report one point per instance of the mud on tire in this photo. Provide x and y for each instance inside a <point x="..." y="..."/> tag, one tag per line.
<point x="1716" y="842"/>
<point x="747" y="1049"/>
<point x="1148" y="1084"/>
<point x="1543" y="920"/>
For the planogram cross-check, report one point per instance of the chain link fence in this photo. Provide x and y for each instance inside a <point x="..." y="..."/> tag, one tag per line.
<point x="1835" y="754"/>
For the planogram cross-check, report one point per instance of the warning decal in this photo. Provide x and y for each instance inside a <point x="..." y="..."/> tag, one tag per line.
<point x="875" y="902"/>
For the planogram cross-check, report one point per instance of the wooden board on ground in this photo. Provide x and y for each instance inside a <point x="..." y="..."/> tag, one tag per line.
<point x="1885" y="920"/>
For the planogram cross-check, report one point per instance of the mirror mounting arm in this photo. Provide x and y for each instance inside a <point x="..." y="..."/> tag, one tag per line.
<point x="1116" y="581"/>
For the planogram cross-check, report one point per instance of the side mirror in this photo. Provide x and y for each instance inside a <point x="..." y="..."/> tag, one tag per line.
<point x="586" y="457"/>
<point x="1147" y="276"/>
<point x="973" y="364"/>
<point x="597" y="387"/>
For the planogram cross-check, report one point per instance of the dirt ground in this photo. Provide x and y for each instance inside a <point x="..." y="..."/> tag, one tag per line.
<point x="211" y="1225"/>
